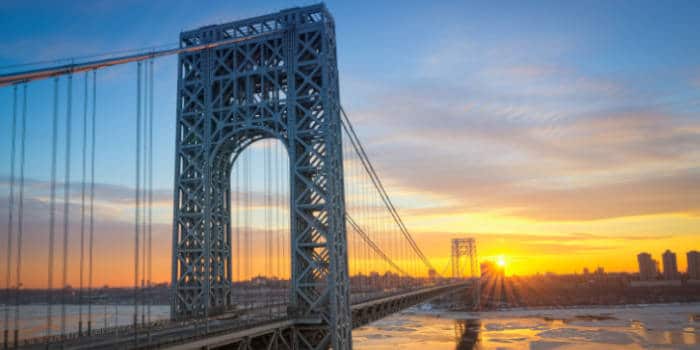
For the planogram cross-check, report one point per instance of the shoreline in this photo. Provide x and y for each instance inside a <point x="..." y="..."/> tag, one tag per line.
<point x="438" y="312"/>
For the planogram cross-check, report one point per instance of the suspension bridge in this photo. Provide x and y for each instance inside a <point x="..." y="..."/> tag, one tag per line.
<point x="283" y="234"/>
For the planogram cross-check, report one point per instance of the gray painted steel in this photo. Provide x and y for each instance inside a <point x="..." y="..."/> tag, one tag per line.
<point x="280" y="81"/>
<point x="285" y="334"/>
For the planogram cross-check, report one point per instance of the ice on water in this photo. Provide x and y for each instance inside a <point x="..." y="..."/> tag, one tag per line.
<point x="669" y="326"/>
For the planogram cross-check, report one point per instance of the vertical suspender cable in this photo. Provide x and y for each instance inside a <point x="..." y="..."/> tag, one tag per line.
<point x="281" y="228"/>
<point x="284" y="203"/>
<point x="52" y="210"/>
<point x="368" y="258"/>
<point x="10" y="221"/>
<point x="249" y="213"/>
<point x="66" y="204"/>
<point x="150" y="185"/>
<point x="354" y="195"/>
<point x="20" y="212"/>
<point x="249" y="216"/>
<point x="278" y="230"/>
<point x="359" y="149"/>
<point x="83" y="185"/>
<point x="264" y="223"/>
<point x="360" y="214"/>
<point x="237" y="175"/>
<point x="286" y="219"/>
<point x="144" y="191"/>
<point x="142" y="214"/>
<point x="268" y="216"/>
<point x="92" y="201"/>
<point x="246" y="219"/>
<point x="137" y="195"/>
<point x="266" y="186"/>
<point x="244" y="214"/>
<point x="363" y="215"/>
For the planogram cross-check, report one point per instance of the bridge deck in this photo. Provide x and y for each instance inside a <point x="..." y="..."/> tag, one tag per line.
<point x="238" y="332"/>
<point x="280" y="335"/>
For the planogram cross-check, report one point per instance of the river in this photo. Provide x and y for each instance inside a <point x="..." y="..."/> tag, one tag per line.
<point x="659" y="326"/>
<point x="666" y="326"/>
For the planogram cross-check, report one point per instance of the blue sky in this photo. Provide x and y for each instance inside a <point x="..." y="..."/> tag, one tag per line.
<point x="538" y="118"/>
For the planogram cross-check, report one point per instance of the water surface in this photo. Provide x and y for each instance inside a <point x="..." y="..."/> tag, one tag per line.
<point x="668" y="326"/>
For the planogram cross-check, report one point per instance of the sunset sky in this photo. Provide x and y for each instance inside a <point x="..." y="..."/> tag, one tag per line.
<point x="560" y="135"/>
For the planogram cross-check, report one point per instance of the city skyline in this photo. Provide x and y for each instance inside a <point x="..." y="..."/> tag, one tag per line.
<point x="649" y="268"/>
<point x="339" y="175"/>
<point x="557" y="141"/>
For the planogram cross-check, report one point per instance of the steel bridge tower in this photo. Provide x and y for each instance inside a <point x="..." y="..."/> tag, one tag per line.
<point x="274" y="77"/>
<point x="466" y="248"/>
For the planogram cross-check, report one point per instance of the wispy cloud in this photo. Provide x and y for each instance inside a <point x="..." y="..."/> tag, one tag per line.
<point x="530" y="135"/>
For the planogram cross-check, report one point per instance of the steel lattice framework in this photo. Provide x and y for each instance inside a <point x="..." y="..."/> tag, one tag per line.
<point x="280" y="81"/>
<point x="464" y="247"/>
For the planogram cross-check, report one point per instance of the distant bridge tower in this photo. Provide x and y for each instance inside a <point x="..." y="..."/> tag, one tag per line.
<point x="275" y="77"/>
<point x="463" y="252"/>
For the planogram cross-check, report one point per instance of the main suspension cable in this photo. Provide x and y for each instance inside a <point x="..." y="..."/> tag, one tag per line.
<point x="359" y="149"/>
<point x="55" y="71"/>
<point x="373" y="245"/>
<point x="239" y="251"/>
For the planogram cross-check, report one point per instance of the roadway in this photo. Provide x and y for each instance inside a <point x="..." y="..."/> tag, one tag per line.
<point x="252" y="327"/>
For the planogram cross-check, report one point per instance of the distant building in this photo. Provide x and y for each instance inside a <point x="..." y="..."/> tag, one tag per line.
<point x="585" y="271"/>
<point x="693" y="265"/>
<point x="656" y="283"/>
<point x="648" y="267"/>
<point x="670" y="265"/>
<point x="432" y="274"/>
<point x="600" y="271"/>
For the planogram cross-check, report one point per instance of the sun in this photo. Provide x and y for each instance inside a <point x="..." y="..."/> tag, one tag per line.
<point x="501" y="261"/>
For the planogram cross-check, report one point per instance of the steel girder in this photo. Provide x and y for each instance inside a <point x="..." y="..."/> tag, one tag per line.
<point x="289" y="334"/>
<point x="280" y="81"/>
<point x="367" y="312"/>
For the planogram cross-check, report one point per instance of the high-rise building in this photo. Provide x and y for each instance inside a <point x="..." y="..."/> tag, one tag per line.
<point x="647" y="267"/>
<point x="693" y="265"/>
<point x="670" y="265"/>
